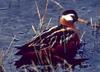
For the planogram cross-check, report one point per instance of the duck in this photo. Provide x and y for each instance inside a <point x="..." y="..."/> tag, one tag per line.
<point x="56" y="45"/>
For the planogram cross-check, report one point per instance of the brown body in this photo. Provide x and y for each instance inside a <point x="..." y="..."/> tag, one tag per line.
<point x="53" y="46"/>
<point x="53" y="51"/>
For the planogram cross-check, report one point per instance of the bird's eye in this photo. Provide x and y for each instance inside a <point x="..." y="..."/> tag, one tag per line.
<point x="72" y="16"/>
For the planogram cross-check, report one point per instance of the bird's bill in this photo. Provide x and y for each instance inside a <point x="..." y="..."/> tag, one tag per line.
<point x="80" y="20"/>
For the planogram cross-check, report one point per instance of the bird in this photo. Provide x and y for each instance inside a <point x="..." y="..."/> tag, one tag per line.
<point x="55" y="45"/>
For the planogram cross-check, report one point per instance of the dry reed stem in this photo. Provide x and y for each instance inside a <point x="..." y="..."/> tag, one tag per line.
<point x="38" y="12"/>
<point x="45" y="12"/>
<point x="34" y="30"/>
<point x="8" y="51"/>
<point x="37" y="54"/>
<point x="41" y="18"/>
<point x="48" y="23"/>
<point x="1" y="58"/>
<point x="69" y="66"/>
<point x="94" y="25"/>
<point x="81" y="38"/>
<point x="9" y="47"/>
<point x="58" y="4"/>
<point x="95" y="28"/>
<point x="2" y="69"/>
<point x="49" y="62"/>
<point x="35" y="67"/>
<point x="44" y="16"/>
<point x="91" y="21"/>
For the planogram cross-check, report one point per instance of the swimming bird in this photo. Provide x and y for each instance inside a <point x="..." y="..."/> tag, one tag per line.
<point x="55" y="45"/>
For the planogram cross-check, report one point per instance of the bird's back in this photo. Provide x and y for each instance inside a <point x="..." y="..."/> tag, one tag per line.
<point x="56" y="42"/>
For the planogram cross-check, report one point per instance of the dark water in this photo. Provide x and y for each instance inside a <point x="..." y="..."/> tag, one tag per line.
<point x="17" y="16"/>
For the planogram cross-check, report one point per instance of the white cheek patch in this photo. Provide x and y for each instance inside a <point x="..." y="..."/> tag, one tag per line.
<point x="68" y="17"/>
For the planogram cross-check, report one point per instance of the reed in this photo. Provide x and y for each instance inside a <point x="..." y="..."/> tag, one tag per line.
<point x="2" y="69"/>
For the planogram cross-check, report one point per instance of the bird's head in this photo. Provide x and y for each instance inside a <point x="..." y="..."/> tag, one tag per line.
<point x="69" y="17"/>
